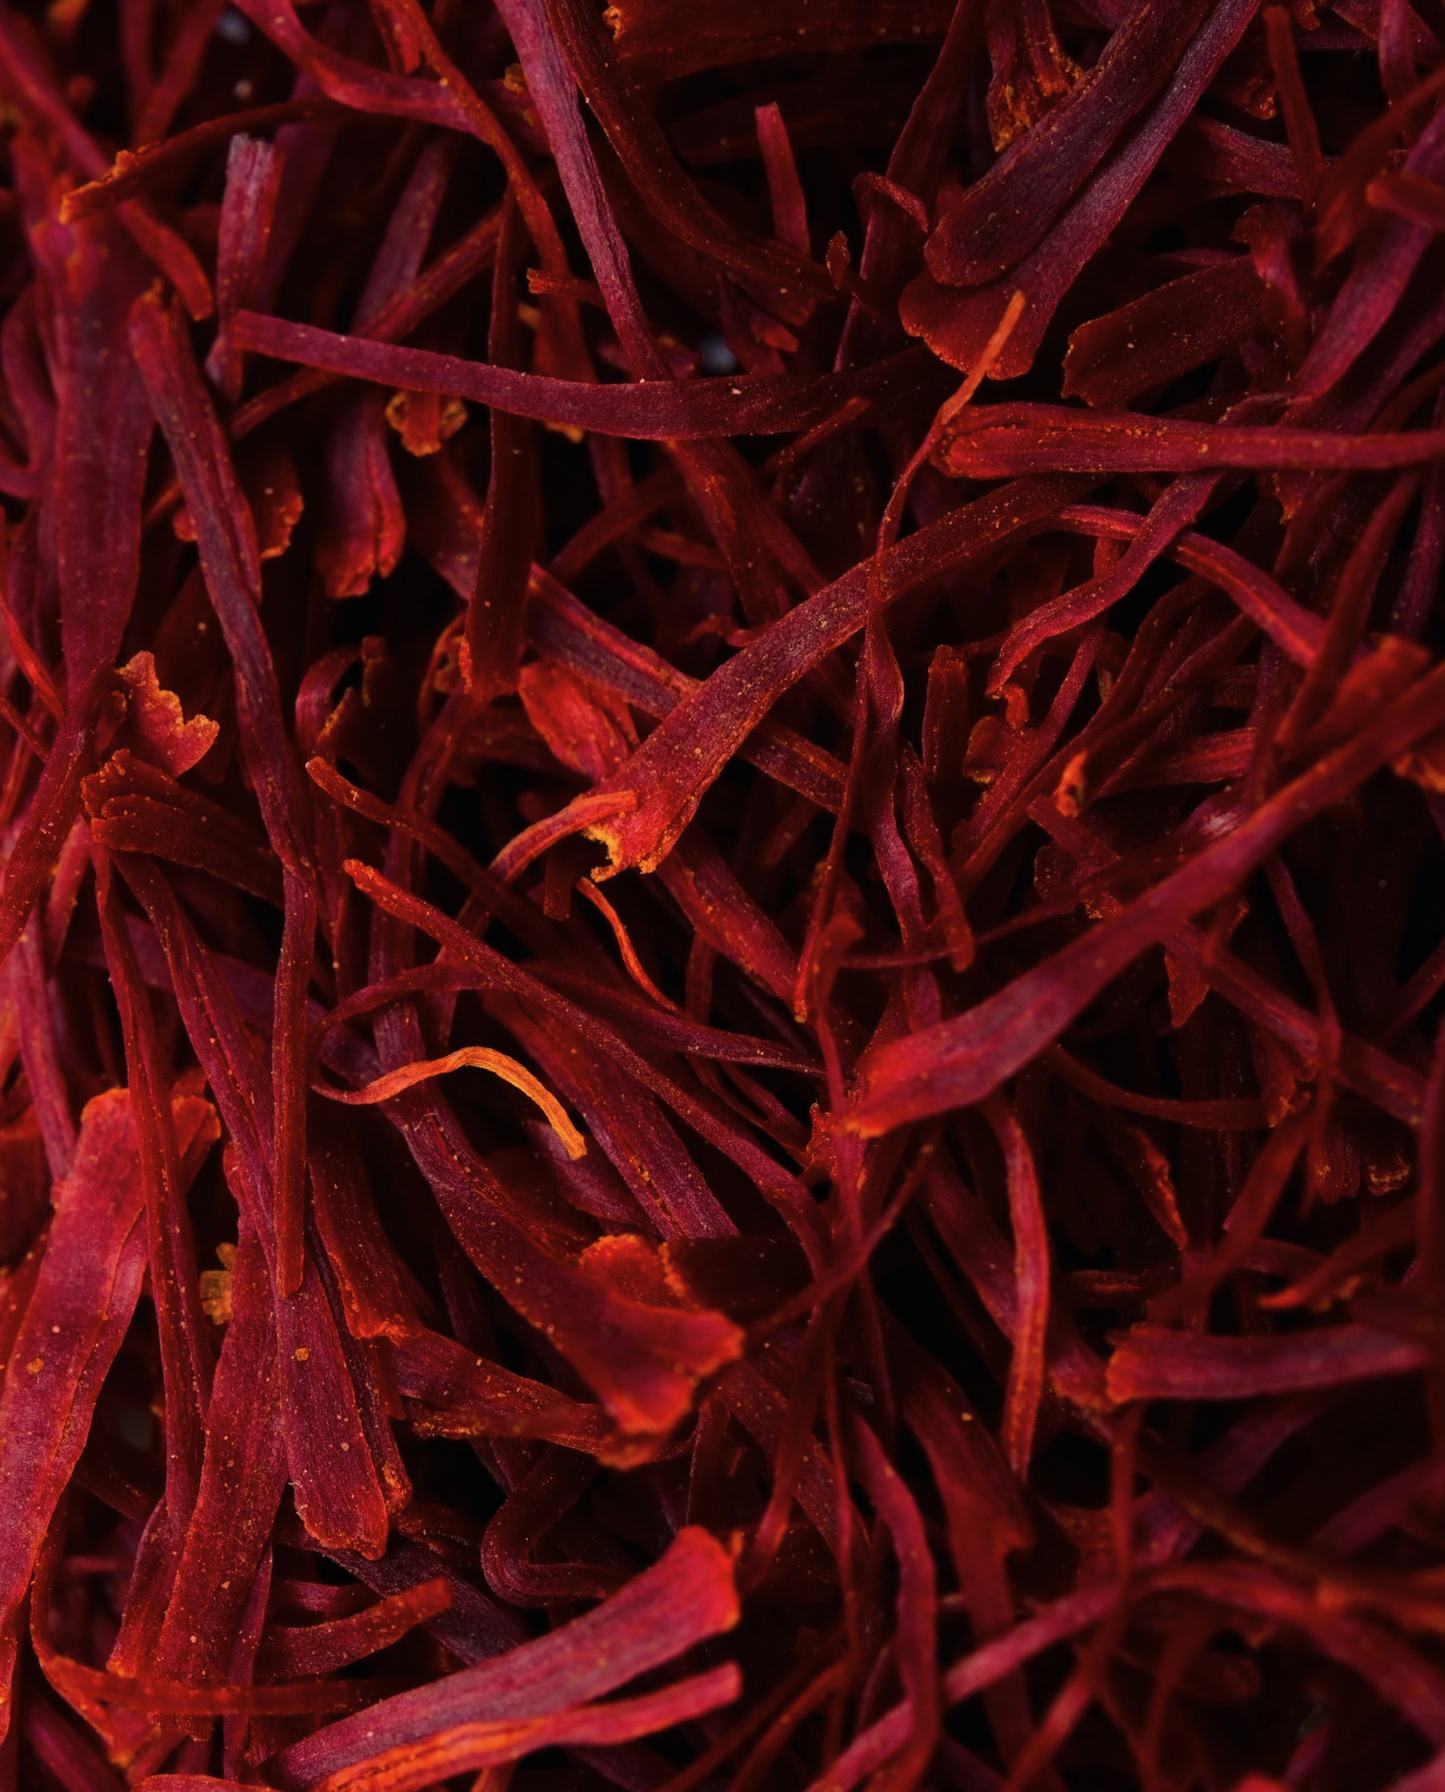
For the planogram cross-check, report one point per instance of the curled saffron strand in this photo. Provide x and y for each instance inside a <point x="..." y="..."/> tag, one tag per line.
<point x="947" y="413"/>
<point x="469" y="1057"/>
<point x="634" y="965"/>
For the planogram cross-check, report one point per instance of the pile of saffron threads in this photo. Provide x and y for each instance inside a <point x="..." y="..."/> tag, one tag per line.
<point x="722" y="796"/>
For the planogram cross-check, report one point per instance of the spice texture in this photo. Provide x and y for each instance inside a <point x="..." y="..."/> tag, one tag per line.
<point x="722" y="798"/>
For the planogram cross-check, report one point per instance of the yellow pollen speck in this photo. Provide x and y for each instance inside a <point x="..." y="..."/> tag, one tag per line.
<point x="302" y="1353"/>
<point x="35" y="1365"/>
